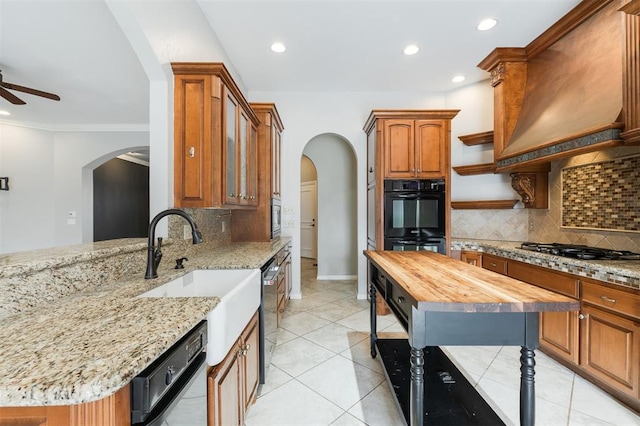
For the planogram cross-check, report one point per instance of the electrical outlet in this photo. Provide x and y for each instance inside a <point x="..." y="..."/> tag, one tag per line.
<point x="223" y="227"/>
<point x="186" y="232"/>
<point x="531" y="224"/>
<point x="288" y="210"/>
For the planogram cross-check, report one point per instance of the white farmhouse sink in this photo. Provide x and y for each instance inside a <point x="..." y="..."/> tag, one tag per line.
<point x="239" y="293"/>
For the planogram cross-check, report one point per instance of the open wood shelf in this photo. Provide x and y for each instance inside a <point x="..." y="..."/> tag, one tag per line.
<point x="477" y="138"/>
<point x="485" y="204"/>
<point x="475" y="169"/>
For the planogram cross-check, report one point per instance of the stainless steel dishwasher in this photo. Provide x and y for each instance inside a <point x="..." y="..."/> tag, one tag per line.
<point x="268" y="317"/>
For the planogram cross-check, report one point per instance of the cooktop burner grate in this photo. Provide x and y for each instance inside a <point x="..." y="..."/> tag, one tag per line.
<point x="580" y="251"/>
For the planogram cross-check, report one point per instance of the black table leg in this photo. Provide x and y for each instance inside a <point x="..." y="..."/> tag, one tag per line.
<point x="527" y="387"/>
<point x="372" y="318"/>
<point x="416" y="396"/>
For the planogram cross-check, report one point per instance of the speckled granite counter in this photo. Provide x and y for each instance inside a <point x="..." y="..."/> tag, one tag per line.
<point x="621" y="272"/>
<point x="90" y="343"/>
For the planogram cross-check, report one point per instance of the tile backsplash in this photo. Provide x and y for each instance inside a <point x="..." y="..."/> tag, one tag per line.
<point x="547" y="224"/>
<point x="603" y="195"/>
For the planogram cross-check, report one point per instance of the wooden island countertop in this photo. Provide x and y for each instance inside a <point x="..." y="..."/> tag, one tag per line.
<point x="443" y="301"/>
<point x="440" y="283"/>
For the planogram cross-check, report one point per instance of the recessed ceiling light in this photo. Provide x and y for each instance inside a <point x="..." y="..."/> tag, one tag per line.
<point x="487" y="24"/>
<point x="411" y="49"/>
<point x="278" y="47"/>
<point x="458" y="78"/>
<point x="3" y="112"/>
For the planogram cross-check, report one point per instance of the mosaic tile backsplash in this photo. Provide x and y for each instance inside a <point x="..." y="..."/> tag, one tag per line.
<point x="603" y="195"/>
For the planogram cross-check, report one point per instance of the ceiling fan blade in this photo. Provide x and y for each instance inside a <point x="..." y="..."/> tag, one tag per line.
<point x="11" y="97"/>
<point x="30" y="91"/>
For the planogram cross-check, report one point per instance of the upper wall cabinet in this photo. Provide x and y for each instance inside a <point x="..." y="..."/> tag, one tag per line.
<point x="215" y="139"/>
<point x="255" y="225"/>
<point x="415" y="148"/>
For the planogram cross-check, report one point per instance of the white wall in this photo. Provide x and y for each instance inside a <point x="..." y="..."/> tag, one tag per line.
<point x="51" y="175"/>
<point x="337" y="214"/>
<point x="27" y="209"/>
<point x="76" y="154"/>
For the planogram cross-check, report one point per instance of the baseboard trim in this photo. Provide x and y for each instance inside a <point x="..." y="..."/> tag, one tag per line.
<point x="336" y="277"/>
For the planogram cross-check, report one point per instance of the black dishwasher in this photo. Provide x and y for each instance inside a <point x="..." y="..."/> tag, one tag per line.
<point x="174" y="387"/>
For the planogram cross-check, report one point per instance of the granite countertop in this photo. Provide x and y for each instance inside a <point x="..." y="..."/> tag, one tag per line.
<point x="91" y="343"/>
<point x="621" y="272"/>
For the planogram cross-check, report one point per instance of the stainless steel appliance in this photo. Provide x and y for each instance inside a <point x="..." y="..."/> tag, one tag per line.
<point x="414" y="215"/>
<point x="430" y="244"/>
<point x="580" y="251"/>
<point x="267" y="316"/>
<point x="276" y="218"/>
<point x="173" y="389"/>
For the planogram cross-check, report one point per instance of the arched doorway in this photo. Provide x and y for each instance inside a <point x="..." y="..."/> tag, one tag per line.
<point x="116" y="195"/>
<point x="335" y="163"/>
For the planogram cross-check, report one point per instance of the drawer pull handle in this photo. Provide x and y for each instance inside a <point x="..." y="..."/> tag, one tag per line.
<point x="607" y="299"/>
<point x="493" y="264"/>
<point x="400" y="299"/>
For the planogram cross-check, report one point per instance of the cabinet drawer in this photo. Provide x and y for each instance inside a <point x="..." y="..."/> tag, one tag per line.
<point x="611" y="299"/>
<point x="545" y="278"/>
<point x="494" y="263"/>
<point x="399" y="301"/>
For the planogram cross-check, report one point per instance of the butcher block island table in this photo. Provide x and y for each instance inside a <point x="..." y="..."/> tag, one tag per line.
<point x="443" y="301"/>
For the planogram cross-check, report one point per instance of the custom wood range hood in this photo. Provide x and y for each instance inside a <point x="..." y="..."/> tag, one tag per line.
<point x="574" y="89"/>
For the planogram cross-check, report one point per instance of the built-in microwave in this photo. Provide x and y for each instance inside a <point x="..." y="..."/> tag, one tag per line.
<point x="276" y="218"/>
<point x="414" y="209"/>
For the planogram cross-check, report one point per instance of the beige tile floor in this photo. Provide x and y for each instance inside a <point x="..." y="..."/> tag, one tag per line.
<point x="322" y="373"/>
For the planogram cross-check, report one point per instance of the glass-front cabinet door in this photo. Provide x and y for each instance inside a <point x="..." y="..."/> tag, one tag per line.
<point x="230" y="147"/>
<point x="243" y="196"/>
<point x="253" y="165"/>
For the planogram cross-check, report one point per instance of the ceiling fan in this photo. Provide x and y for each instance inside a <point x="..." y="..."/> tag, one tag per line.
<point x="16" y="100"/>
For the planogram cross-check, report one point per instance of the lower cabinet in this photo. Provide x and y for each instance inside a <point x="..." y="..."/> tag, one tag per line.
<point x="233" y="383"/>
<point x="114" y="410"/>
<point x="471" y="257"/>
<point x="602" y="341"/>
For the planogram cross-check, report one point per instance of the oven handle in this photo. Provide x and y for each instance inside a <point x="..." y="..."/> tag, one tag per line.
<point x="421" y="242"/>
<point x="164" y="406"/>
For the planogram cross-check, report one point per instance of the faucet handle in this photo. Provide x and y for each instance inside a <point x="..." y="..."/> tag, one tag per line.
<point x="179" y="261"/>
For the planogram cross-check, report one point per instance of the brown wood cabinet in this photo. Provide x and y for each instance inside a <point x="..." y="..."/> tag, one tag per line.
<point x="610" y="336"/>
<point x="233" y="383"/>
<point x="602" y="341"/>
<point x="283" y="281"/>
<point x="404" y="144"/>
<point x="215" y="133"/>
<point x="471" y="257"/>
<point x="415" y="148"/>
<point x="255" y="224"/>
<point x="114" y="410"/>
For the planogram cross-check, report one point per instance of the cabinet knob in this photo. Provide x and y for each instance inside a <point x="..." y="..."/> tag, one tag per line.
<point x="239" y="196"/>
<point x="232" y="195"/>
<point x="581" y="316"/>
<point x="370" y="169"/>
<point x="192" y="152"/>
<point x="400" y="299"/>
<point x="493" y="264"/>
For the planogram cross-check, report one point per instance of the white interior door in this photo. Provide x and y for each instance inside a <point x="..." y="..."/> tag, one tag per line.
<point x="308" y="219"/>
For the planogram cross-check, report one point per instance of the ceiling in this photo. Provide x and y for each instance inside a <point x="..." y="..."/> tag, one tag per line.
<point x="76" y="49"/>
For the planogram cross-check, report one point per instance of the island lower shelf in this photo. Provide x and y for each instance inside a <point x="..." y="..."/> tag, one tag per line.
<point x="449" y="398"/>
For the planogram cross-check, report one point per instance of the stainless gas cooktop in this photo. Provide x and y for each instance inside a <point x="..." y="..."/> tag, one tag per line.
<point x="580" y="251"/>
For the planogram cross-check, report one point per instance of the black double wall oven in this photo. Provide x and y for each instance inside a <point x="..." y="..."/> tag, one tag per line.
<point x="414" y="215"/>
